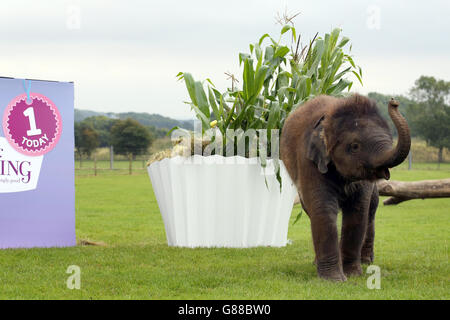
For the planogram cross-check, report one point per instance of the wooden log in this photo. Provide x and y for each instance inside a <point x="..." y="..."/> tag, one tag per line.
<point x="400" y="191"/>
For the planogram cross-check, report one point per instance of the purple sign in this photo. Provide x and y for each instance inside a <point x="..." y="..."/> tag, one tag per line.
<point x="37" y="191"/>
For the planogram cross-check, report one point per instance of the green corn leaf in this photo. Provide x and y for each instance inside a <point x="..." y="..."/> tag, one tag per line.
<point x="243" y="57"/>
<point x="325" y="55"/>
<point x="283" y="79"/>
<point x="334" y="37"/>
<point x="171" y="130"/>
<point x="249" y="79"/>
<point x="240" y="118"/>
<point x="338" y="88"/>
<point x="273" y="41"/>
<point x="190" y="85"/>
<point x="221" y="109"/>
<point x="274" y="116"/>
<point x="201" y="116"/>
<point x="180" y="76"/>
<point x="268" y="54"/>
<point x="213" y="104"/>
<point x="349" y="59"/>
<point x="308" y="87"/>
<point x="343" y="42"/>
<point x="217" y="94"/>
<point x="330" y="77"/>
<point x="281" y="52"/>
<point x="230" y="115"/>
<point x="302" y="88"/>
<point x="286" y="28"/>
<point x="259" y="82"/>
<point x="221" y="99"/>
<point x="297" y="218"/>
<point x="262" y="38"/>
<point x="278" y="175"/>
<point x="334" y="54"/>
<point x="342" y="73"/>
<point x="258" y="52"/>
<point x="259" y="56"/>
<point x="315" y="57"/>
<point x="210" y="82"/>
<point x="200" y="96"/>
<point x="294" y="34"/>
<point x="357" y="76"/>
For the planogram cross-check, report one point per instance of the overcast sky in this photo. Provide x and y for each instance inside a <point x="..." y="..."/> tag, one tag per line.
<point x="124" y="55"/>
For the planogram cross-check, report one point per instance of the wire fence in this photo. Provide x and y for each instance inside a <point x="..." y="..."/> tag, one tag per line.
<point x="105" y="162"/>
<point x="139" y="166"/>
<point x="105" y="167"/>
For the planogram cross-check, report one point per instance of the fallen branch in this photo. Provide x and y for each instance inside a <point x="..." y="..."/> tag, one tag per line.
<point x="400" y="191"/>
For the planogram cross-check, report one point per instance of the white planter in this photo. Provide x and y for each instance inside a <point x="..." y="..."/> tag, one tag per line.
<point x="220" y="201"/>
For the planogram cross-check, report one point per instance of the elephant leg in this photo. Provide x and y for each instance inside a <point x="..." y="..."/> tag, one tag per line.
<point x="306" y="210"/>
<point x="326" y="245"/>
<point x="320" y="202"/>
<point x="367" y="255"/>
<point x="354" y="224"/>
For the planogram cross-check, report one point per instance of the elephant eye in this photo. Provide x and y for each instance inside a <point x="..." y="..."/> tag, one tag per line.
<point x="354" y="147"/>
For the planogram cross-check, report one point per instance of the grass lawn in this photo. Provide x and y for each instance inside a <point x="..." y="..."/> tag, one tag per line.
<point x="120" y="210"/>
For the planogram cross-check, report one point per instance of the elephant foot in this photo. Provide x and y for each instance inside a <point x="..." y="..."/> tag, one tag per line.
<point x="367" y="256"/>
<point x="367" y="259"/>
<point x="352" y="269"/>
<point x="333" y="276"/>
<point x="330" y="271"/>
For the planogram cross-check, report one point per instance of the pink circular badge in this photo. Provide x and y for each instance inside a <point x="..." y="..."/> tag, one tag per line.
<point x="34" y="128"/>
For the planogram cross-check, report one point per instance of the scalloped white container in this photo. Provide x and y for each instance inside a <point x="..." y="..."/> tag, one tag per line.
<point x="218" y="201"/>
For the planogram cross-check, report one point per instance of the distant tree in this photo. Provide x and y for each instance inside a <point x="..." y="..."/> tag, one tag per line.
<point x="102" y="125"/>
<point x="158" y="132"/>
<point x="130" y="138"/>
<point x="77" y="132"/>
<point x="155" y="120"/>
<point x="86" y="139"/>
<point x="431" y="114"/>
<point x="405" y="108"/>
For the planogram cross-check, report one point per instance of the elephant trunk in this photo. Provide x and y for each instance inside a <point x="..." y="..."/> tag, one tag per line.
<point x="396" y="155"/>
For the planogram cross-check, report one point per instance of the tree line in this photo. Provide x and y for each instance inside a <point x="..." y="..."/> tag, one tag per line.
<point x="128" y="137"/>
<point x="427" y="109"/>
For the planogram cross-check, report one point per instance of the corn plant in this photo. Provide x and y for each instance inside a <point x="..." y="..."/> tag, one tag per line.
<point x="276" y="80"/>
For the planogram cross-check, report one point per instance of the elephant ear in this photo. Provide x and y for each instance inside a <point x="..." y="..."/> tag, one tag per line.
<point x="316" y="149"/>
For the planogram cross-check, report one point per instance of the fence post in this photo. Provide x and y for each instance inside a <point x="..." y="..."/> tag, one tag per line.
<point x="130" y="159"/>
<point x="409" y="160"/>
<point x="95" y="163"/>
<point x="111" y="157"/>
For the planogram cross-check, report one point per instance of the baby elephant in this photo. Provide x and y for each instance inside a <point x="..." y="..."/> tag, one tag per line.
<point x="334" y="150"/>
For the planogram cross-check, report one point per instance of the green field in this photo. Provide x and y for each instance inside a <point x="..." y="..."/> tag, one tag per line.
<point x="121" y="211"/>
